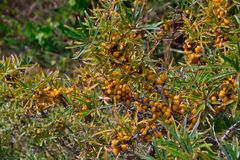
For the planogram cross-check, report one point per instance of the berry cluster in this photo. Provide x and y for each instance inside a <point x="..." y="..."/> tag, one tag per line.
<point x="47" y="97"/>
<point x="119" y="90"/>
<point x="225" y="96"/>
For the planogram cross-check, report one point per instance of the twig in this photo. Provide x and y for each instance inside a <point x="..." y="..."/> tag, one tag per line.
<point x="230" y="130"/>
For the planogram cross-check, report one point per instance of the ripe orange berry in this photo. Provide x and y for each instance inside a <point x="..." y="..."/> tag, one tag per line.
<point x="164" y="108"/>
<point x="154" y="116"/>
<point x="226" y="21"/>
<point x="145" y="99"/>
<point x="225" y="99"/>
<point x="159" y="106"/>
<point x="222" y="93"/>
<point x="120" y="135"/>
<point x="121" y="59"/>
<point x="187" y="11"/>
<point x="213" y="98"/>
<point x="84" y="108"/>
<point x="136" y="95"/>
<point x="194" y="120"/>
<point x="153" y="109"/>
<point x="155" y="104"/>
<point x="109" y="91"/>
<point x="119" y="92"/>
<point x="115" y="151"/>
<point x="151" y="103"/>
<point x="150" y="77"/>
<point x="216" y="108"/>
<point x="138" y="103"/>
<point x="104" y="44"/>
<point x="118" y="97"/>
<point x="124" y="147"/>
<point x="158" y="134"/>
<point x="177" y="97"/>
<point x="115" y="54"/>
<point x="217" y="40"/>
<point x="182" y="110"/>
<point x="144" y="107"/>
<point x="177" y="102"/>
<point x="116" y="74"/>
<point x="175" y="107"/>
<point x="216" y="1"/>
<point x="126" y="138"/>
<point x="194" y="111"/>
<point x="114" y="143"/>
<point x="47" y="89"/>
<point x="128" y="102"/>
<point x="167" y="114"/>
<point x="139" y="108"/>
<point x="198" y="49"/>
<point x="167" y="121"/>
<point x="163" y="77"/>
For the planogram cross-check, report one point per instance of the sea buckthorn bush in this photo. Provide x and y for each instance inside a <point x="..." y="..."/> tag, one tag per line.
<point x="164" y="88"/>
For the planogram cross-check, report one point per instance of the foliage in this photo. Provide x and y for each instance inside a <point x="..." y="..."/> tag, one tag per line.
<point x="38" y="31"/>
<point x="144" y="89"/>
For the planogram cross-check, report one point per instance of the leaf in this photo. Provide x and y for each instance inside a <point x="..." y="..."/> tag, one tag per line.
<point x="220" y="76"/>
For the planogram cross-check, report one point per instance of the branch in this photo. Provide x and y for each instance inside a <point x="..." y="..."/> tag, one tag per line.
<point x="230" y="130"/>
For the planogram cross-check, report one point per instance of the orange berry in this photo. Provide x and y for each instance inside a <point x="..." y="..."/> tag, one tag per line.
<point x="109" y="91"/>
<point x="155" y="104"/>
<point x="154" y="116"/>
<point x="182" y="110"/>
<point x="153" y="109"/>
<point x="175" y="107"/>
<point x="126" y="138"/>
<point x="84" y="108"/>
<point x="167" y="114"/>
<point x="159" y="106"/>
<point x="158" y="134"/>
<point x="221" y="13"/>
<point x="145" y="99"/>
<point x="222" y="93"/>
<point x="213" y="98"/>
<point x="217" y="40"/>
<point x="167" y="121"/>
<point x="136" y="95"/>
<point x="194" y="120"/>
<point x="177" y="102"/>
<point x="114" y="143"/>
<point x="150" y="77"/>
<point x="144" y="107"/>
<point x="121" y="59"/>
<point x="198" y="49"/>
<point x="225" y="99"/>
<point x="120" y="135"/>
<point x="144" y="132"/>
<point x="216" y="1"/>
<point x="115" y="151"/>
<point x="164" y="108"/>
<point x="115" y="54"/>
<point x="118" y="97"/>
<point x="151" y="103"/>
<point x="119" y="92"/>
<point x="104" y="44"/>
<point x="226" y="21"/>
<point x="138" y="103"/>
<point x="139" y="108"/>
<point x="194" y="111"/>
<point x="177" y="97"/>
<point x="124" y="147"/>
<point x="47" y="89"/>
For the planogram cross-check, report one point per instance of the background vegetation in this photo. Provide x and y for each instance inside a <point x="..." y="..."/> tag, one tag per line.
<point x="120" y="79"/>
